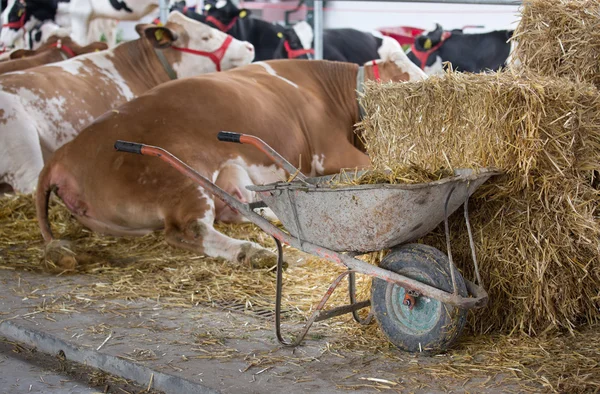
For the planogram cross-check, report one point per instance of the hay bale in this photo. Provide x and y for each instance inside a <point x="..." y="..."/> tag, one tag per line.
<point x="560" y="38"/>
<point x="536" y="226"/>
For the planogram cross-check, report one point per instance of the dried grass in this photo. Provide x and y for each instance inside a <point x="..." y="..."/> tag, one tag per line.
<point x="146" y="267"/>
<point x="536" y="228"/>
<point x="560" y="38"/>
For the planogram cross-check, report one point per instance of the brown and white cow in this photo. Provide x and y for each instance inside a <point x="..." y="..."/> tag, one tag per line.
<point x="304" y="109"/>
<point x="55" y="50"/>
<point x="44" y="107"/>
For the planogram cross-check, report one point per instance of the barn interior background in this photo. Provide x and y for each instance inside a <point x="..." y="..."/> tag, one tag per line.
<point x="487" y="359"/>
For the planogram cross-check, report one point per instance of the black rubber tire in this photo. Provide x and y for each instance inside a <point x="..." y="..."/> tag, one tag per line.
<point x="442" y="323"/>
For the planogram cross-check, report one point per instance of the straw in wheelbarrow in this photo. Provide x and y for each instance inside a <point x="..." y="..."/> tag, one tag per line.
<point x="536" y="227"/>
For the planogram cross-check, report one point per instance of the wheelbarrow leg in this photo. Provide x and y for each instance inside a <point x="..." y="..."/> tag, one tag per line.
<point x="318" y="313"/>
<point x="352" y="290"/>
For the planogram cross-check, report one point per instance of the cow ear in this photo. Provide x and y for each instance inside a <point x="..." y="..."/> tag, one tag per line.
<point x="244" y="13"/>
<point x="160" y="36"/>
<point x="21" y="53"/>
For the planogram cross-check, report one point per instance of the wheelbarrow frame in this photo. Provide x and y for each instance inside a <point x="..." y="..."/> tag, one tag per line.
<point x="478" y="295"/>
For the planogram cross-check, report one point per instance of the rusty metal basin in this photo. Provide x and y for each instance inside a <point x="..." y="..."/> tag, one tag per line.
<point x="366" y="218"/>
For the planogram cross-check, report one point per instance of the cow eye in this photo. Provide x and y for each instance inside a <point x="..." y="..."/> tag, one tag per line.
<point x="206" y="38"/>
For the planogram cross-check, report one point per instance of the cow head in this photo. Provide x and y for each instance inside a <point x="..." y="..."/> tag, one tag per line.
<point x="397" y="67"/>
<point x="295" y="42"/>
<point x="41" y="33"/>
<point x="193" y="48"/>
<point x="428" y="40"/>
<point x="224" y="14"/>
<point x="426" y="50"/>
<point x="14" y="17"/>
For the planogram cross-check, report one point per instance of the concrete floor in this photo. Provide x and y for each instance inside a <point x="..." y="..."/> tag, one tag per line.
<point x="184" y="350"/>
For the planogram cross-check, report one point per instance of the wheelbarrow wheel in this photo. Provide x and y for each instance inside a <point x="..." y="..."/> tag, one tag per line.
<point x="428" y="326"/>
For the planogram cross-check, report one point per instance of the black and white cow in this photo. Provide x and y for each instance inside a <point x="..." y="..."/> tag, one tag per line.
<point x="22" y="21"/>
<point x="267" y="38"/>
<point x="346" y="45"/>
<point x="466" y="52"/>
<point x="21" y="16"/>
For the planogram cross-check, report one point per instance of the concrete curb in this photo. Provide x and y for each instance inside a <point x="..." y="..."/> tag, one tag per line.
<point x="121" y="367"/>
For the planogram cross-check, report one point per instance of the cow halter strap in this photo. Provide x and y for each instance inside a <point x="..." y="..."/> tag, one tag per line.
<point x="216" y="56"/>
<point x="220" y="25"/>
<point x="65" y="50"/>
<point x="424" y="55"/>
<point x="360" y="82"/>
<point x="18" y="24"/>
<point x="294" y="53"/>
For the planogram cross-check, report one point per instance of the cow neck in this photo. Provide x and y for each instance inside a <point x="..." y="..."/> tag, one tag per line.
<point x="338" y="82"/>
<point x="137" y="60"/>
<point x="423" y="56"/>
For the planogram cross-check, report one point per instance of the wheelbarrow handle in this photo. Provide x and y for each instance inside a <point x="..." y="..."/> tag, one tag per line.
<point x="228" y="136"/>
<point x="130" y="147"/>
<point x="280" y="161"/>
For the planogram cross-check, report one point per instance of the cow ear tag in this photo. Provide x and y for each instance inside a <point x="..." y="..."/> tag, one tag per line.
<point x="243" y="13"/>
<point x="280" y="35"/>
<point x="427" y="44"/>
<point x="207" y="7"/>
<point x="20" y="13"/>
<point x="159" y="34"/>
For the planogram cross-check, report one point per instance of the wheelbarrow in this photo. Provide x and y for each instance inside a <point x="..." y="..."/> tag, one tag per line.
<point x="418" y="297"/>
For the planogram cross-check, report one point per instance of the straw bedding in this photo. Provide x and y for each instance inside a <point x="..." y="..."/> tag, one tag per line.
<point x="560" y="38"/>
<point x="133" y="268"/>
<point x="536" y="226"/>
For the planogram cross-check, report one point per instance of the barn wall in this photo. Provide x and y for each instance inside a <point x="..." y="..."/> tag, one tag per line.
<point x="370" y="15"/>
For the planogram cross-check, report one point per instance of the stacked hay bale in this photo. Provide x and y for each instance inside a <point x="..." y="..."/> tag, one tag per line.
<point x="560" y="38"/>
<point x="537" y="231"/>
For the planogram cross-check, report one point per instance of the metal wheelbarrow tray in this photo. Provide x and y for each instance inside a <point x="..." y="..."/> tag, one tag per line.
<point x="418" y="297"/>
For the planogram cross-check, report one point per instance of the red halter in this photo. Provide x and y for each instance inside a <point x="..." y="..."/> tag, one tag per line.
<point x="294" y="53"/>
<point x="376" y="71"/>
<point x="216" y="56"/>
<point x="18" y="24"/>
<point x="68" y="51"/>
<point x="423" y="56"/>
<point x="220" y="25"/>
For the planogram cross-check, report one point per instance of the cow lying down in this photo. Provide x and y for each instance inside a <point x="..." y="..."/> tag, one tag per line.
<point x="45" y="107"/>
<point x="56" y="50"/>
<point x="304" y="109"/>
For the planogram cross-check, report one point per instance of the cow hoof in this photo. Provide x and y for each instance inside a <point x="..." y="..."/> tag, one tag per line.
<point x="258" y="258"/>
<point x="61" y="254"/>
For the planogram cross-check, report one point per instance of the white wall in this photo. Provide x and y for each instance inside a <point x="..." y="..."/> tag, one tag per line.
<point x="370" y="15"/>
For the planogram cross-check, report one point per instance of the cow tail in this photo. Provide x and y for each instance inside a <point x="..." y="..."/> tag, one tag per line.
<point x="42" y="198"/>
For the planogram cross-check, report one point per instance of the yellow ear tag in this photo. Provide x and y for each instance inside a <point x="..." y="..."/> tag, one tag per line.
<point x="243" y="13"/>
<point x="207" y="7"/>
<point x="427" y="44"/>
<point x="280" y="35"/>
<point x="159" y="34"/>
<point x="20" y="13"/>
<point x="97" y="50"/>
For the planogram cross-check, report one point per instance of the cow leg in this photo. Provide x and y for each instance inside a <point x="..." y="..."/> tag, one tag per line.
<point x="190" y="226"/>
<point x="233" y="178"/>
<point x="21" y="159"/>
<point x="81" y="12"/>
<point x="346" y="156"/>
